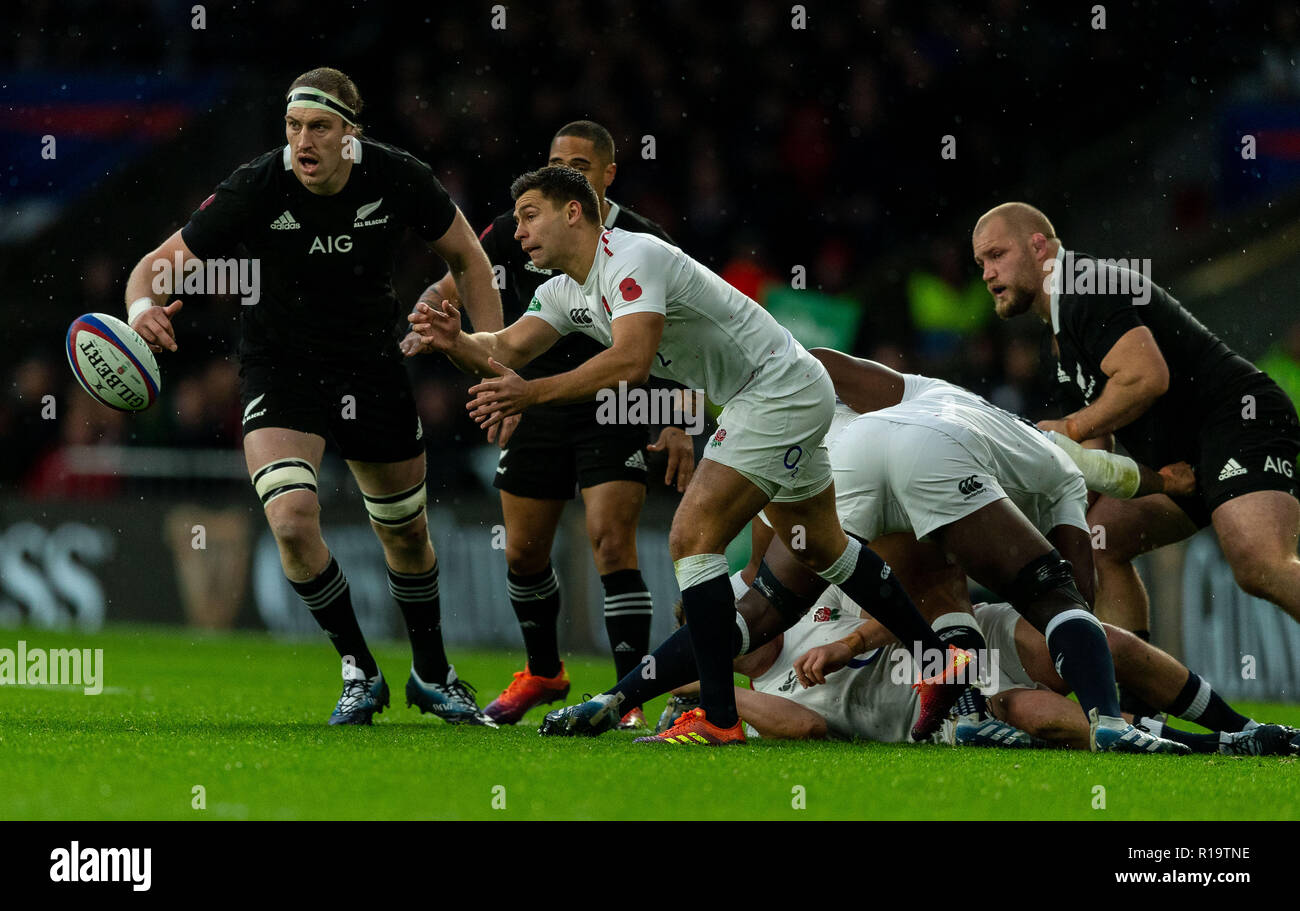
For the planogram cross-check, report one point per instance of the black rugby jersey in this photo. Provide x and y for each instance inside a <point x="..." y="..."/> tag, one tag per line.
<point x="1087" y="322"/>
<point x="326" y="292"/>
<point x="522" y="280"/>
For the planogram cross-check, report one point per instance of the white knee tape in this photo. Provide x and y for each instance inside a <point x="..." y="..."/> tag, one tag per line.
<point x="397" y="508"/>
<point x="282" y="476"/>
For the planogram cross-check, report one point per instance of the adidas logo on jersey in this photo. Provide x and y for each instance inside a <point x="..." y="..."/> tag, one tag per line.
<point x="1231" y="469"/>
<point x="635" y="460"/>
<point x="622" y="647"/>
<point x="285" y="223"/>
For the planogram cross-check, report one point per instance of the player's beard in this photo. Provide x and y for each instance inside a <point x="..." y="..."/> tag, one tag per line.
<point x="1017" y="301"/>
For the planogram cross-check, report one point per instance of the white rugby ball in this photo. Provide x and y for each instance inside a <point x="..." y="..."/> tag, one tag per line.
<point x="112" y="362"/>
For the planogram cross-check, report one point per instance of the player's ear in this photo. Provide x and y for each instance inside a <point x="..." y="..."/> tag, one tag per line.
<point x="610" y="170"/>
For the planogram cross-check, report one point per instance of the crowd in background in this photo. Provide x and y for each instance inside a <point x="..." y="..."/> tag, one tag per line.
<point x="762" y="147"/>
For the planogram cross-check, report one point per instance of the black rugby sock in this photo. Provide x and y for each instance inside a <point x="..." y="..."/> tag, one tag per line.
<point x="417" y="596"/>
<point x="1081" y="655"/>
<point x="331" y="605"/>
<point x="536" y="600"/>
<point x="868" y="580"/>
<point x="1198" y="702"/>
<point x="628" y="612"/>
<point x="711" y="618"/>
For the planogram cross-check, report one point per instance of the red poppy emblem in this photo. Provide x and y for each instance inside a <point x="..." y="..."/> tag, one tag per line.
<point x="631" y="290"/>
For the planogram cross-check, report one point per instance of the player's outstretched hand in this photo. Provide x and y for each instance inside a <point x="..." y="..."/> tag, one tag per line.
<point x="155" y="327"/>
<point x="497" y="398"/>
<point x="502" y="432"/>
<point x="1180" y="479"/>
<point x="812" y="666"/>
<point x="432" y="329"/>
<point x="681" y="456"/>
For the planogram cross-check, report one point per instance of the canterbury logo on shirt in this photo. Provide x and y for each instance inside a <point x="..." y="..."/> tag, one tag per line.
<point x="285" y="223"/>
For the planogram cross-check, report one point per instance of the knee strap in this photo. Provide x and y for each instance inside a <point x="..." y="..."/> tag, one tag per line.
<point x="282" y="476"/>
<point x="1042" y="575"/>
<point x="789" y="605"/>
<point x="397" y="508"/>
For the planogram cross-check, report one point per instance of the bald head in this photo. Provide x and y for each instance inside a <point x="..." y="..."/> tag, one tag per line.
<point x="1013" y="244"/>
<point x="1020" y="218"/>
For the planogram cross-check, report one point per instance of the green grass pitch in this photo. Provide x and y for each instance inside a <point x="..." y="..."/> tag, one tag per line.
<point x="243" y="716"/>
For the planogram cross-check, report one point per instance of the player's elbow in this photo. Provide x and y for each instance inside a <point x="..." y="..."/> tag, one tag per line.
<point x="1155" y="381"/>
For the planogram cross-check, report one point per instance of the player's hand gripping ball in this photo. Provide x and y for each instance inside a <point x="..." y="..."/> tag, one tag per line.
<point x="112" y="362"/>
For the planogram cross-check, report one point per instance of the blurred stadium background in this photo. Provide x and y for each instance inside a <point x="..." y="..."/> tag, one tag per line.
<point x="776" y="150"/>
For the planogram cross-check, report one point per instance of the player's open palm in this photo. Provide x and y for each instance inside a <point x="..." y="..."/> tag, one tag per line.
<point x="432" y="329"/>
<point x="498" y="397"/>
<point x="812" y="666"/>
<point x="154" y="325"/>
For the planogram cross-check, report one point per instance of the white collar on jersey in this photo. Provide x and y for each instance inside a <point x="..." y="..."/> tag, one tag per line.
<point x="355" y="154"/>
<point x="613" y="212"/>
<point x="1056" y="290"/>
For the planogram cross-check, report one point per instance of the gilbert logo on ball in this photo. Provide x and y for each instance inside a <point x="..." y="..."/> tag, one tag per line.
<point x="112" y="362"/>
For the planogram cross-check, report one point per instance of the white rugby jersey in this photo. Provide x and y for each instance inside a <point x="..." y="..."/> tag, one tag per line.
<point x="1014" y="451"/>
<point x="715" y="338"/>
<point x="858" y="701"/>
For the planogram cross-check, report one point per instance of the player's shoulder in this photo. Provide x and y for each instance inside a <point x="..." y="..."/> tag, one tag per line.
<point x="627" y="220"/>
<point x="917" y="386"/>
<point x="626" y="249"/>
<point x="1094" y="288"/>
<point x="260" y="172"/>
<point x="390" y="161"/>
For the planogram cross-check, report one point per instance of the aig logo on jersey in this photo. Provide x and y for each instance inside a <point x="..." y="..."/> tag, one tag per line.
<point x="1281" y="465"/>
<point x="340" y="244"/>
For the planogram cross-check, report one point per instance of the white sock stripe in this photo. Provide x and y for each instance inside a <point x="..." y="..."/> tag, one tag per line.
<point x="328" y="595"/>
<point x="413" y="593"/>
<point x="619" y="605"/>
<point x="700" y="568"/>
<point x="543" y="589"/>
<point x="956" y="618"/>
<point x="630" y="612"/>
<point x="1200" y="703"/>
<point x="1074" y="613"/>
<point x="839" y="571"/>
<point x="628" y="596"/>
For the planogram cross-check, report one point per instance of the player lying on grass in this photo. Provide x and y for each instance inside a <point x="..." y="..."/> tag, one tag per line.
<point x="836" y="675"/>
<point x="932" y="459"/>
<point x="1027" y="694"/>
<point x="657" y="310"/>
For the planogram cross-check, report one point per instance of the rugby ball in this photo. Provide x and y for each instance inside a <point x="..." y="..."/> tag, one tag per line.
<point x="112" y="362"/>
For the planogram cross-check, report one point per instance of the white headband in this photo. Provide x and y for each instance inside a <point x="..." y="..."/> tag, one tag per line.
<point x="308" y="97"/>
